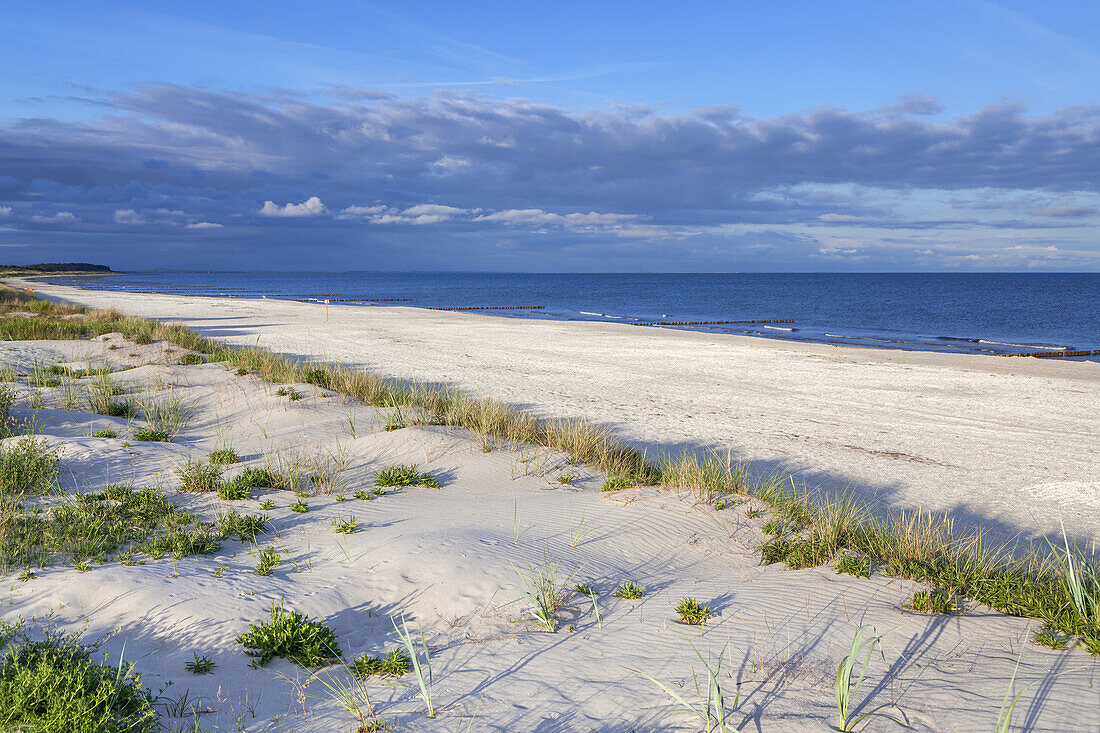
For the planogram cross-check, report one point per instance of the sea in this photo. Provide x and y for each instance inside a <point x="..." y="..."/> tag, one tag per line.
<point x="973" y="313"/>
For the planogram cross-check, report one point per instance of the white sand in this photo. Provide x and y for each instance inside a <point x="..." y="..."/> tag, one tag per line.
<point x="448" y="559"/>
<point x="1013" y="444"/>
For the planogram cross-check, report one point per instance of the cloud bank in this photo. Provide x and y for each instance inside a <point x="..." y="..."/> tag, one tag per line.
<point x="475" y="179"/>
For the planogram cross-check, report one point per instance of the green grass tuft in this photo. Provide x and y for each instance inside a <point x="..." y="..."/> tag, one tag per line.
<point x="394" y="664"/>
<point x="691" y="612"/>
<point x="629" y="590"/>
<point x="404" y="475"/>
<point x="291" y="636"/>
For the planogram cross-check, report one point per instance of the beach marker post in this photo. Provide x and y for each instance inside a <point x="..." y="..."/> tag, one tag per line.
<point x="326" y="310"/>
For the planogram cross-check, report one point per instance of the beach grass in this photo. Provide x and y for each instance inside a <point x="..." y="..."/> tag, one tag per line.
<point x="1013" y="578"/>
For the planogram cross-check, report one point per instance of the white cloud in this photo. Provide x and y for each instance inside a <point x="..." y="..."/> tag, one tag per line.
<point x="360" y="212"/>
<point x="310" y="207"/>
<point x="65" y="217"/>
<point x="204" y="225"/>
<point x="538" y="217"/>
<point x="5" y="210"/>
<point x="128" y="216"/>
<point x="838" y="218"/>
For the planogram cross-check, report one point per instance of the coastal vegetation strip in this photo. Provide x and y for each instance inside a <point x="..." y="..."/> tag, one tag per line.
<point x="1056" y="582"/>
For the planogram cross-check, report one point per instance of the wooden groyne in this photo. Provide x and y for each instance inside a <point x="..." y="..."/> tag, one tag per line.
<point x="712" y="323"/>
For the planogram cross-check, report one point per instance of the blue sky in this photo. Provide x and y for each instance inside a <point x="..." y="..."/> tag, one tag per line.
<point x="793" y="136"/>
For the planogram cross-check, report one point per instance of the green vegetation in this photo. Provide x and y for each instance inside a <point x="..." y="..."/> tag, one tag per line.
<point x="864" y="644"/>
<point x="394" y="664"/>
<point x="345" y="526"/>
<point x="299" y="506"/>
<point x="54" y="685"/>
<point x="269" y="560"/>
<point x="711" y="706"/>
<point x="191" y="359"/>
<point x="117" y="522"/>
<point x="402" y="475"/>
<point x="1050" y="638"/>
<point x="616" y="483"/>
<point x="933" y="601"/>
<point x="691" y="612"/>
<point x="260" y="478"/>
<point x="223" y="457"/>
<point x="291" y="636"/>
<point x="200" y="665"/>
<point x="152" y="435"/>
<point x="629" y="590"/>
<point x="199" y="477"/>
<point x="28" y="467"/>
<point x="848" y="565"/>
<point x="105" y="433"/>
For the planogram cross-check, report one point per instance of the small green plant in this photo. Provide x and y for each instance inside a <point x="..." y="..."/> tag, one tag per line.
<point x="933" y="601"/>
<point x="269" y="560"/>
<point x="404" y="475"/>
<point x="340" y="497"/>
<point x="345" y="526"/>
<point x="545" y="594"/>
<point x="711" y="708"/>
<point x="299" y="506"/>
<point x="864" y="644"/>
<point x="291" y="636"/>
<point x="191" y="359"/>
<point x="616" y="483"/>
<point x="26" y="574"/>
<point x="629" y="590"/>
<point x="293" y="394"/>
<point x="753" y="513"/>
<point x="421" y="663"/>
<point x="691" y="612"/>
<point x="848" y="565"/>
<point x="82" y="567"/>
<point x="232" y="491"/>
<point x="394" y="664"/>
<point x="152" y="435"/>
<point x="241" y="371"/>
<point x="723" y="503"/>
<point x="256" y="478"/>
<point x="1050" y="638"/>
<point x="244" y="526"/>
<point x="223" y="457"/>
<point x="267" y="505"/>
<point x="317" y="376"/>
<point x="196" y="476"/>
<point x="583" y="588"/>
<point x="567" y="478"/>
<point x="362" y="495"/>
<point x="200" y="665"/>
<point x="105" y="433"/>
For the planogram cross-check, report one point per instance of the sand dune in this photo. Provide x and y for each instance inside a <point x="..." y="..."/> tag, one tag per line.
<point x="451" y="561"/>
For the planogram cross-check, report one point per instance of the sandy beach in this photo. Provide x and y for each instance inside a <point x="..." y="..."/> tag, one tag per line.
<point x="1009" y="444"/>
<point x="453" y="561"/>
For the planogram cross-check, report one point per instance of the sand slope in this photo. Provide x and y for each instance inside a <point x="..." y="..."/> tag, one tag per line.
<point x="451" y="559"/>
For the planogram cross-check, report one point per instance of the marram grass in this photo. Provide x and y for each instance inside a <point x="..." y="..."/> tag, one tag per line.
<point x="1019" y="581"/>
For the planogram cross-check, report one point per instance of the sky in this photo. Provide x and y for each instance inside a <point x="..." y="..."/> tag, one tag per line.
<point x="957" y="135"/>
